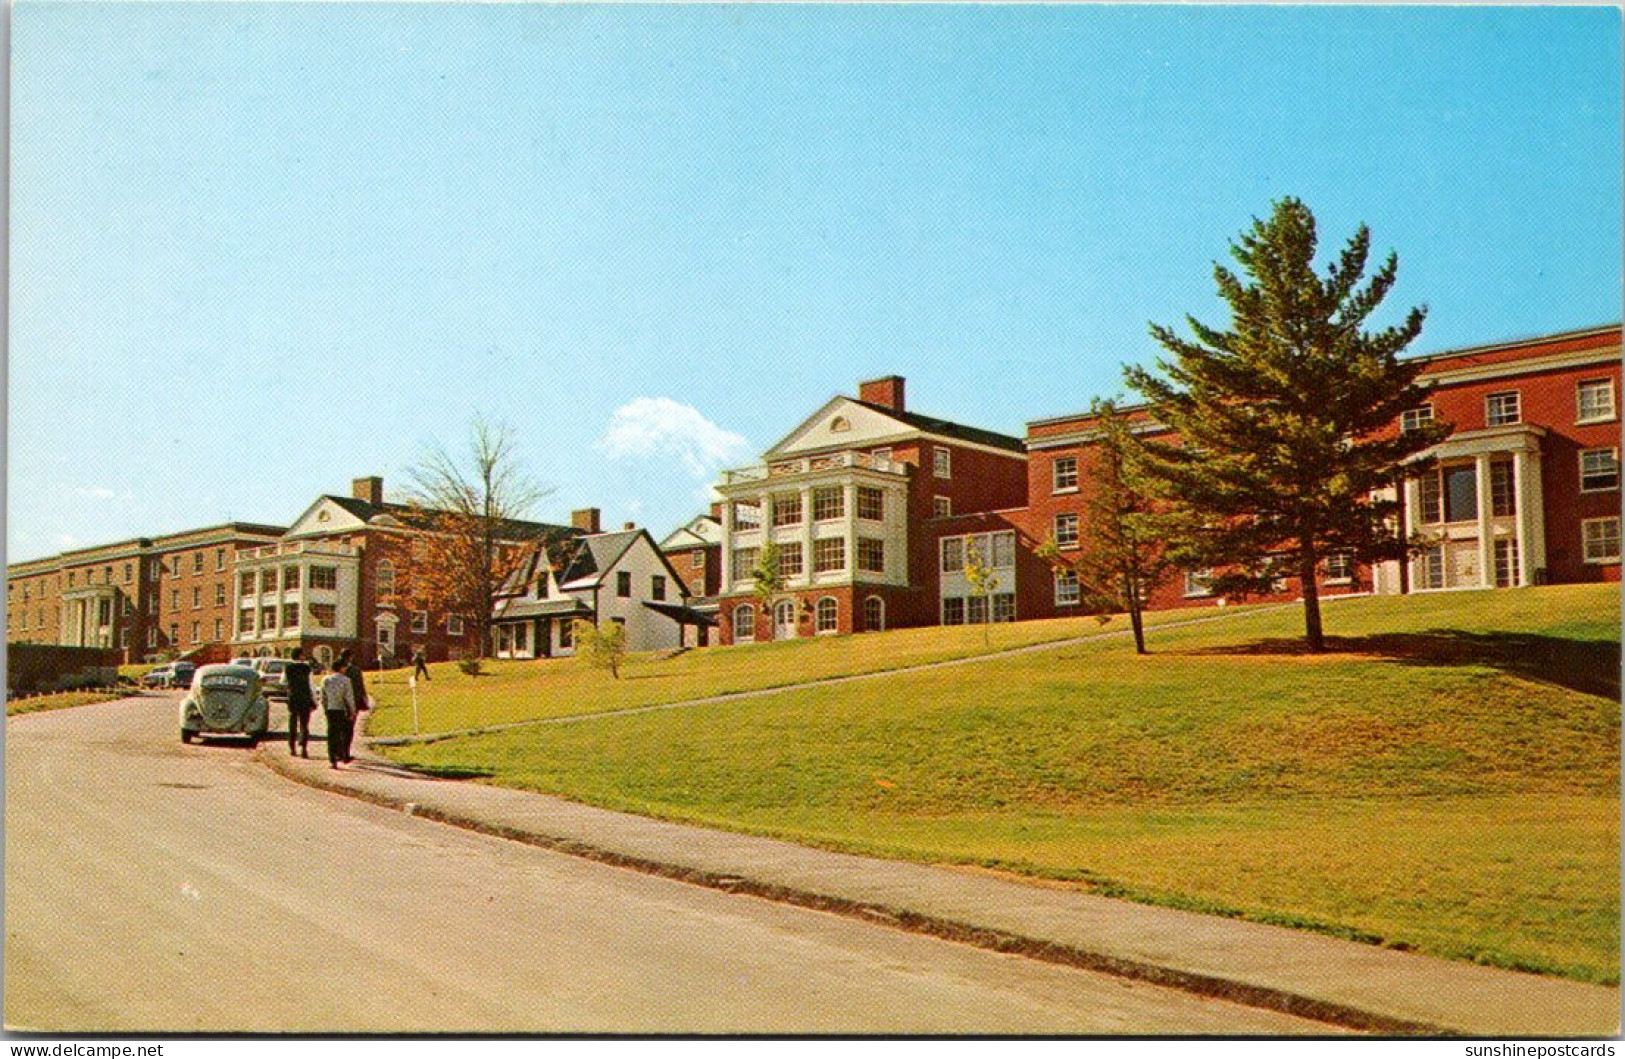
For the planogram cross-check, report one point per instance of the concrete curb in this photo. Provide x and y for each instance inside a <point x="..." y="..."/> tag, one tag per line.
<point x="1048" y="950"/>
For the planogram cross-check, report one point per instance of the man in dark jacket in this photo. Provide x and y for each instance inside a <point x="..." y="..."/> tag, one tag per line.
<point x="348" y="667"/>
<point x="300" y="704"/>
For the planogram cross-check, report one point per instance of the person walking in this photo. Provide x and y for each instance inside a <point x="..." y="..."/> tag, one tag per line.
<point x="422" y="665"/>
<point x="301" y="702"/>
<point x="348" y="667"/>
<point x="338" y="706"/>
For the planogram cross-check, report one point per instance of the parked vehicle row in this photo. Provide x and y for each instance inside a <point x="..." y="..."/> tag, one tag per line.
<point x="170" y="675"/>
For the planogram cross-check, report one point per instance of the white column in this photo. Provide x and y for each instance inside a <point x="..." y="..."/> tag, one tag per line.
<point x="1413" y="524"/>
<point x="1526" y="489"/>
<point x="1486" y="538"/>
<point x="806" y="534"/>
<point x="851" y="530"/>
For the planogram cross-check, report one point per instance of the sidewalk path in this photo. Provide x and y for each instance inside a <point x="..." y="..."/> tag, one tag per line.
<point x="1342" y="982"/>
<point x="851" y="678"/>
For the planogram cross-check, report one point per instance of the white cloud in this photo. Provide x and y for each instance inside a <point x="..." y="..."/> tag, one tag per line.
<point x="658" y="427"/>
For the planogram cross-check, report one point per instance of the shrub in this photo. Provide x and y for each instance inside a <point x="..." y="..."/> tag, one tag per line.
<point x="470" y="666"/>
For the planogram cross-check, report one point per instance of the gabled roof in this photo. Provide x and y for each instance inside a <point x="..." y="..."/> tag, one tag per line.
<point x="595" y="555"/>
<point x="418" y="518"/>
<point x="703" y="531"/>
<point x="867" y="424"/>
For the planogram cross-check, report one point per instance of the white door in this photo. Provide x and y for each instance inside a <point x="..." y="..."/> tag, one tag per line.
<point x="784" y="620"/>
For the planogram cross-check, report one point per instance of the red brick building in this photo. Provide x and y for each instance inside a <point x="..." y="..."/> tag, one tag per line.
<point x="852" y="498"/>
<point x="147" y="597"/>
<point x="1526" y="491"/>
<point x="340" y="578"/>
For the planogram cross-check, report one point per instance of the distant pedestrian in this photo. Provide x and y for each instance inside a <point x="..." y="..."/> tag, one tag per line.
<point x="301" y="702"/>
<point x="422" y="665"/>
<point x="358" y="685"/>
<point x="338" y="706"/>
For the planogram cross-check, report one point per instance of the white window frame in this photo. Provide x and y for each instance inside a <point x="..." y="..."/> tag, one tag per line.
<point x="1496" y="413"/>
<point x="1066" y="482"/>
<point x="1413" y="418"/>
<point x="1068" y="540"/>
<point x="875" y="543"/>
<point x="878" y="508"/>
<point x="1612" y="454"/>
<point x="827" y="620"/>
<point x="696" y="559"/>
<point x="788" y="551"/>
<point x="1580" y="416"/>
<point x="958" y="547"/>
<point x="828" y="545"/>
<point x="786" y="509"/>
<point x="942" y="507"/>
<point x="1068" y="592"/>
<point x="1586" y="540"/>
<point x="420" y="622"/>
<point x="827" y="499"/>
<point x="1336" y="561"/>
<point x="747" y="612"/>
<point x="1196" y="583"/>
<point x="942" y="462"/>
<point x="454" y="625"/>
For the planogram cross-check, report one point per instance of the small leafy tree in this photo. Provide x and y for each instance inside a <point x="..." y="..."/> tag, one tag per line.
<point x="1123" y="552"/>
<point x="1286" y="449"/>
<point x="768" y="576"/>
<point x="603" y="646"/>
<point x="983" y="583"/>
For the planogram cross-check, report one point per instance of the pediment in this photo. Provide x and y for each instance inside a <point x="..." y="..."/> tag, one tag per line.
<point x="841" y="424"/>
<point x="322" y="518"/>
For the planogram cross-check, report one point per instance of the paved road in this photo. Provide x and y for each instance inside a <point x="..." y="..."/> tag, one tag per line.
<point x="152" y="886"/>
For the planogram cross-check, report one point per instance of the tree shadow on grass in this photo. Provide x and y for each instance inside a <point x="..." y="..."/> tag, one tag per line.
<point x="1591" y="667"/>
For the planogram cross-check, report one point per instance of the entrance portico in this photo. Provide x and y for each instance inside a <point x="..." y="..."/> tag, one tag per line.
<point x="1481" y="503"/>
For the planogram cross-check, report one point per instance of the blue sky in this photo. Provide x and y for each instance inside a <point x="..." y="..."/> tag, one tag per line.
<point x="259" y="249"/>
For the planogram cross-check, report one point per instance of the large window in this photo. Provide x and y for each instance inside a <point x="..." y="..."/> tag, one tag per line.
<point x="1415" y="418"/>
<point x="744" y="563"/>
<point x="953" y="555"/>
<point x="324" y="577"/>
<point x="454" y="625"/>
<point x="1595" y="401"/>
<point x="953" y="610"/>
<point x="1064" y="474"/>
<point x="1600" y="537"/>
<point x="871" y="503"/>
<point x="871" y="555"/>
<point x="1503" y="497"/>
<point x="290" y="578"/>
<point x="1433" y="567"/>
<point x="1506" y="562"/>
<point x="268" y="618"/>
<point x="1067" y="593"/>
<point x="1599" y="470"/>
<point x="744" y="623"/>
<point x="828" y="614"/>
<point x="1197" y="583"/>
<point x="623" y="584"/>
<point x="829" y="502"/>
<point x="1066" y="531"/>
<point x="829" y="555"/>
<point x="324" y="615"/>
<point x="1450" y="494"/>
<point x="942" y="462"/>
<point x="786" y="509"/>
<point x="874" y="614"/>
<point x="245" y="584"/>
<point x="1501" y="409"/>
<point x="792" y="561"/>
<point x="290" y="615"/>
<point x="245" y="620"/>
<point x="1004" y="606"/>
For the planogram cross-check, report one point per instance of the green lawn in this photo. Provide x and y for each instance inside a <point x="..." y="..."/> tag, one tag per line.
<point x="520" y="691"/>
<point x="1446" y="779"/>
<point x="60" y="700"/>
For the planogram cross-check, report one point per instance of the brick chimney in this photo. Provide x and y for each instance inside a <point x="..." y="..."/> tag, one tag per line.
<point x="585" y="519"/>
<point x="369" y="489"/>
<point x="716" y="511"/>
<point x="886" y="392"/>
<point x="629" y="526"/>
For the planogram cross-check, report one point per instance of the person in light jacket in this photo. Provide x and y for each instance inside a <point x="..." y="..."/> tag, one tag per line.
<point x="338" y="704"/>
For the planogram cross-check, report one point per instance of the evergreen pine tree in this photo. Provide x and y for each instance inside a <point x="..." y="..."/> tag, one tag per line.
<point x="1287" y="448"/>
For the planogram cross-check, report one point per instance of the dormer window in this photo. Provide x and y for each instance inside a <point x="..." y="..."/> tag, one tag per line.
<point x="840" y="425"/>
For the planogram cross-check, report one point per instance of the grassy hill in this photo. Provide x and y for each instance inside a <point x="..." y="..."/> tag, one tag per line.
<point x="1445" y="779"/>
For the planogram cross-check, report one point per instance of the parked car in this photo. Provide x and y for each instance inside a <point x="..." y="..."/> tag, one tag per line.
<point x="170" y="675"/>
<point x="273" y="676"/>
<point x="243" y="661"/>
<point x="225" y="700"/>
